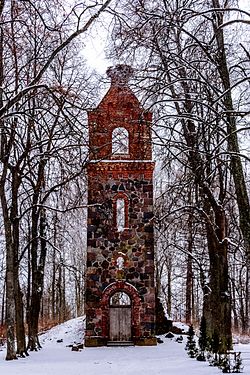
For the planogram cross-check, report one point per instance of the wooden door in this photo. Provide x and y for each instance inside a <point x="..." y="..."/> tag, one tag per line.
<point x="120" y="323"/>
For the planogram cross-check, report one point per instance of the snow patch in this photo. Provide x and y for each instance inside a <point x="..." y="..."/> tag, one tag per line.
<point x="67" y="333"/>
<point x="55" y="358"/>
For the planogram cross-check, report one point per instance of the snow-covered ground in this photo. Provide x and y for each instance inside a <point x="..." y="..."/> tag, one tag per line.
<point x="56" y="358"/>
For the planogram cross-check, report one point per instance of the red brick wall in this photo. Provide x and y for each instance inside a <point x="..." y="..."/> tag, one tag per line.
<point x="120" y="108"/>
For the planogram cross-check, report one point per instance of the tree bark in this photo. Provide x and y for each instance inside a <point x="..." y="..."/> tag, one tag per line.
<point x="38" y="265"/>
<point x="217" y="306"/>
<point x="233" y="147"/>
<point x="20" y="330"/>
<point x="189" y="277"/>
<point x="219" y="324"/>
<point x="10" y="297"/>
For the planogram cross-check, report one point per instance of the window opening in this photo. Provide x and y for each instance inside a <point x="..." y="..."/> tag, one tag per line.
<point x="120" y="141"/>
<point x="120" y="214"/>
<point x="120" y="299"/>
<point x="120" y="263"/>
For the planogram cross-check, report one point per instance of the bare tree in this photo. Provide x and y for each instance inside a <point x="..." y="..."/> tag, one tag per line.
<point x="185" y="76"/>
<point x="24" y="76"/>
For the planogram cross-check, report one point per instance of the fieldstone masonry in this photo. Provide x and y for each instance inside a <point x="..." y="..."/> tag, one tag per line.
<point x="120" y="260"/>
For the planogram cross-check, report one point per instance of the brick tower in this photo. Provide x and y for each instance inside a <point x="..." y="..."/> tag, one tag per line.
<point x="120" y="287"/>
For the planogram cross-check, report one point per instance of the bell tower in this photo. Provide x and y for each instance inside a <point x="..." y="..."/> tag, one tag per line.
<point x="120" y="285"/>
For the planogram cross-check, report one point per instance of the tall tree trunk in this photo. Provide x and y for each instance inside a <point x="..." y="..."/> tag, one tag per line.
<point x="20" y="330"/>
<point x="28" y="281"/>
<point x="59" y="293"/>
<point x="10" y="298"/>
<point x="10" y="305"/>
<point x="189" y="277"/>
<point x="234" y="308"/>
<point x="3" y="304"/>
<point x="54" y="269"/>
<point x="169" y="287"/>
<point x="10" y="295"/>
<point x="233" y="146"/>
<point x="38" y="266"/>
<point x="189" y="290"/>
<point x="217" y="306"/>
<point x="53" y="288"/>
<point x="218" y="297"/>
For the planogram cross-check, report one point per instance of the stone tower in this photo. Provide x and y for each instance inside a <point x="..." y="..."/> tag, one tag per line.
<point x="120" y="286"/>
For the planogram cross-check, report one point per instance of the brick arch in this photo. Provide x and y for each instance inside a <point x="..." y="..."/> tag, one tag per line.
<point x="119" y="286"/>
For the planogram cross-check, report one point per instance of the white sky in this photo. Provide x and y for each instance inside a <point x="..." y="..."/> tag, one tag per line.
<point x="244" y="4"/>
<point x="96" y="43"/>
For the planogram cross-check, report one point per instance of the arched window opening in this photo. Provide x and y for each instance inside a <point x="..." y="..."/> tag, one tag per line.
<point x="120" y="299"/>
<point x="120" y="141"/>
<point x="120" y="214"/>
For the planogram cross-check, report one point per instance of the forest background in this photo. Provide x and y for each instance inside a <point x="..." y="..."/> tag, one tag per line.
<point x="191" y="64"/>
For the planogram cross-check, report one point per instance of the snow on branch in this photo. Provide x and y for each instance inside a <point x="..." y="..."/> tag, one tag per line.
<point x="52" y="56"/>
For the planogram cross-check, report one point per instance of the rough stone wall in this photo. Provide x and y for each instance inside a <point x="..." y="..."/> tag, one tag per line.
<point x="105" y="243"/>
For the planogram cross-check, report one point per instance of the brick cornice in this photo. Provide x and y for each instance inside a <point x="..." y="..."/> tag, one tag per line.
<point x="123" y="168"/>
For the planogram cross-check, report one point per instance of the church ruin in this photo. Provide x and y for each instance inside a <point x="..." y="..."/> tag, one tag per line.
<point x="120" y="285"/>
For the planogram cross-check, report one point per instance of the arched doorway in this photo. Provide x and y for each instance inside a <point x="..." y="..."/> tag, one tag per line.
<point x="120" y="327"/>
<point x="129" y="298"/>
